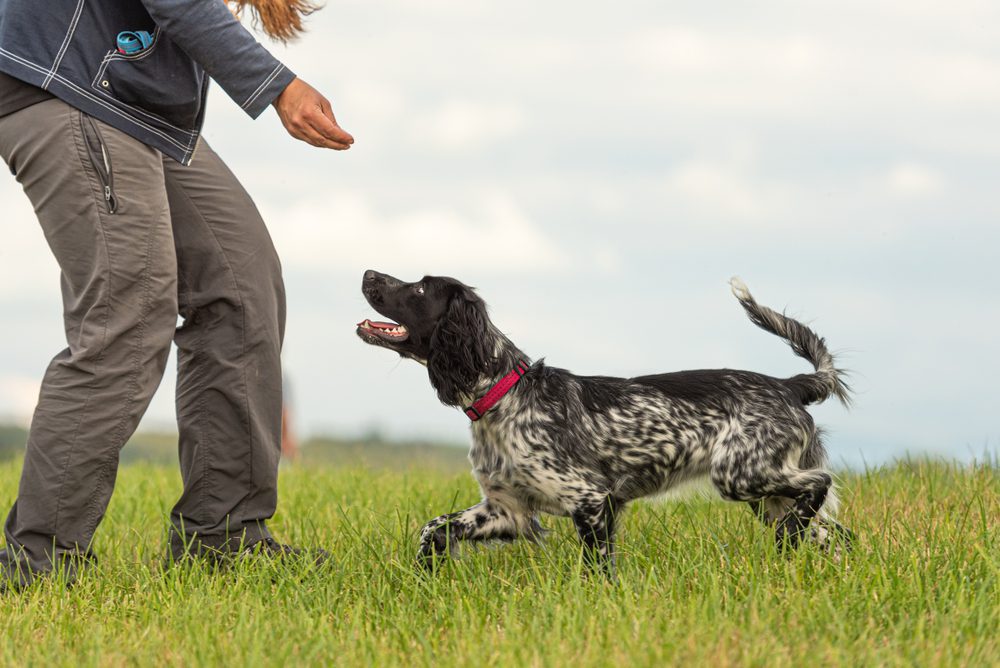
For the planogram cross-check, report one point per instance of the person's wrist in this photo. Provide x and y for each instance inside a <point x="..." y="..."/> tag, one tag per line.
<point x="290" y="86"/>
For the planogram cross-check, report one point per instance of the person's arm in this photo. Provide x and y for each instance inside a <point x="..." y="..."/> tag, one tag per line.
<point x="250" y="75"/>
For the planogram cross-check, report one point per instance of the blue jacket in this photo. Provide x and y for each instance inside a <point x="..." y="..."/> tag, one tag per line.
<point x="69" y="48"/>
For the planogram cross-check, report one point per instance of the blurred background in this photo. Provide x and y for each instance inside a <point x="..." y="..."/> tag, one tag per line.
<point x="599" y="170"/>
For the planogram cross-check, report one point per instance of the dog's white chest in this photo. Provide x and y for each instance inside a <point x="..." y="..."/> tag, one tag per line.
<point x="496" y="451"/>
<point x="506" y="459"/>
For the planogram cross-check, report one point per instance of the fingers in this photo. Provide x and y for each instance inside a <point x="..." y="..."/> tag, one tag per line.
<point x="312" y="136"/>
<point x="326" y="124"/>
<point x="314" y="128"/>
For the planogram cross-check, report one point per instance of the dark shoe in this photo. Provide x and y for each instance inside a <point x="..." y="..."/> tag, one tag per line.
<point x="230" y="552"/>
<point x="13" y="575"/>
<point x="16" y="574"/>
<point x="268" y="547"/>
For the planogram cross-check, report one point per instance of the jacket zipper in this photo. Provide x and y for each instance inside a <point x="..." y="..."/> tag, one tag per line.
<point x="100" y="157"/>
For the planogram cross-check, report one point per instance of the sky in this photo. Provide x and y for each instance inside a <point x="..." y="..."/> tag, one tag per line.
<point x="599" y="171"/>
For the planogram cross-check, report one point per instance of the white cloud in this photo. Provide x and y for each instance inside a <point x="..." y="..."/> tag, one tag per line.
<point x="345" y="231"/>
<point x="18" y="396"/>
<point x="27" y="269"/>
<point x="909" y="179"/>
<point x="703" y="51"/>
<point x="464" y="125"/>
<point x="728" y="191"/>
<point x="373" y="98"/>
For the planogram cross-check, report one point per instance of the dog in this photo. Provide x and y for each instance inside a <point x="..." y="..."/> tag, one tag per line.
<point x="545" y="440"/>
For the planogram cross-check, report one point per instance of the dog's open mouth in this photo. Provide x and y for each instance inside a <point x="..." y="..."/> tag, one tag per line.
<point x="385" y="331"/>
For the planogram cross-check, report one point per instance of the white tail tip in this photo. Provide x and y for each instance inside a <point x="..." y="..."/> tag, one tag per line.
<point x="740" y="289"/>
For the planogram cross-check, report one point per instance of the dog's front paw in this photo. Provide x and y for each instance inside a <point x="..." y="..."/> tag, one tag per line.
<point x="436" y="542"/>
<point x="428" y="558"/>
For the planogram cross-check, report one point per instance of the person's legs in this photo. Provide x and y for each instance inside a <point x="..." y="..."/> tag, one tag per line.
<point x="231" y="297"/>
<point x="99" y="197"/>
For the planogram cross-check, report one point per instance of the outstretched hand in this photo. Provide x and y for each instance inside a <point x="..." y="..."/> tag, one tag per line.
<point x="307" y="116"/>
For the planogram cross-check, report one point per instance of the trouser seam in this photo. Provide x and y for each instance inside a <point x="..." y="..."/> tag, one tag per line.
<point x="248" y="422"/>
<point x="133" y="385"/>
<point x="78" y="144"/>
<point x="200" y="418"/>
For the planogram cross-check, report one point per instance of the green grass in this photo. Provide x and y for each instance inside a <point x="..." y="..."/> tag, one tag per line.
<point x="700" y="584"/>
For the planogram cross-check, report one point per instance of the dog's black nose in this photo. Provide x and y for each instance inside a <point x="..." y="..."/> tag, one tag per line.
<point x="370" y="275"/>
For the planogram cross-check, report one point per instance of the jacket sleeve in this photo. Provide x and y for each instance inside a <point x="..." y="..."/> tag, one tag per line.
<point x="212" y="37"/>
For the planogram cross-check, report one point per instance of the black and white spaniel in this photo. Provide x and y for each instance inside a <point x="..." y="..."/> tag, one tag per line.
<point x="548" y="441"/>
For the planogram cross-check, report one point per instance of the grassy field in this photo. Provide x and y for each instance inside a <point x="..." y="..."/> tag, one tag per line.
<point x="700" y="583"/>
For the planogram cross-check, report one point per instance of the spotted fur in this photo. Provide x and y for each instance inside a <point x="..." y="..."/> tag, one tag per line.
<point x="586" y="446"/>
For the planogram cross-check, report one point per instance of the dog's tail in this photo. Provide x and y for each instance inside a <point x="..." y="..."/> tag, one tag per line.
<point x="811" y="387"/>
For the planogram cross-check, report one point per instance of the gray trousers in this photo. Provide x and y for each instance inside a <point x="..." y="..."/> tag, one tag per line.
<point x="140" y="239"/>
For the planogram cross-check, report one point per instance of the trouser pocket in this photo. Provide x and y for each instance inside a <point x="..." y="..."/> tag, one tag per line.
<point x="100" y="158"/>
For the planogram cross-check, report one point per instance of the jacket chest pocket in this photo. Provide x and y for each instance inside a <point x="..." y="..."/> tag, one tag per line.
<point x="161" y="80"/>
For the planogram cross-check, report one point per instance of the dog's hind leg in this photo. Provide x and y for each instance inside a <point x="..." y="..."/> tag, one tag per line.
<point x="770" y="510"/>
<point x="825" y="524"/>
<point x="808" y="489"/>
<point x="758" y="485"/>
<point x="825" y="527"/>
<point x="773" y="509"/>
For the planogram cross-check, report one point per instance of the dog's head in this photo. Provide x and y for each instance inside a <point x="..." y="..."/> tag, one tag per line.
<point x="438" y="321"/>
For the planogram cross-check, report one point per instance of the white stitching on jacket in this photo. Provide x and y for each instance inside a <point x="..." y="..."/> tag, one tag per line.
<point x="260" y="88"/>
<point x="65" y="44"/>
<point x="69" y="84"/>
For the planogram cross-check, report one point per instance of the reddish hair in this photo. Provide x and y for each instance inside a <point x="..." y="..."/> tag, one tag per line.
<point x="279" y="19"/>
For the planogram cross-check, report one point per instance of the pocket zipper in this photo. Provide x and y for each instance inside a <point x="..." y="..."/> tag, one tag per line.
<point x="100" y="158"/>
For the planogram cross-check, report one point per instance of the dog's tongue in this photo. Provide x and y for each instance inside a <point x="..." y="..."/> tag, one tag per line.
<point x="379" y="325"/>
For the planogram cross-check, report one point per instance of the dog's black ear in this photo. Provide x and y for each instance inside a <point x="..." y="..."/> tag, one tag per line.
<point x="460" y="348"/>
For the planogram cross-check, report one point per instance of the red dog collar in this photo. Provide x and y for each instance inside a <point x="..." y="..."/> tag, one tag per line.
<point x="486" y="402"/>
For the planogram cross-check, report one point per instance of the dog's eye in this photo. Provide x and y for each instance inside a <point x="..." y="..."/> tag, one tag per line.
<point x="419" y="289"/>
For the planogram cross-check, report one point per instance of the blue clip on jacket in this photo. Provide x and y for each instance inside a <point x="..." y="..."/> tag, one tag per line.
<point x="157" y="95"/>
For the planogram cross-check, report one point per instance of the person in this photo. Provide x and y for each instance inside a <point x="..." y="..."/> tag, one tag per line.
<point x="101" y="108"/>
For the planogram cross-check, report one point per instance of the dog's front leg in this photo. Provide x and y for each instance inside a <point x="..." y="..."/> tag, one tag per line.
<point x="595" y="520"/>
<point x="484" y="521"/>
